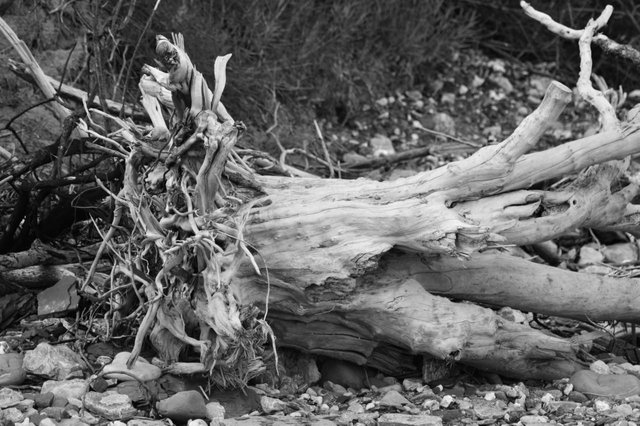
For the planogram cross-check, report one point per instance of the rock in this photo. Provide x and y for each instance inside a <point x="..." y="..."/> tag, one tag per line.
<point x="411" y="385"/>
<point x="12" y="415"/>
<point x="149" y="422"/>
<point x="47" y="422"/>
<point x="502" y="82"/>
<point x="110" y="404"/>
<point x="75" y="388"/>
<point x="381" y="146"/>
<point x="446" y="401"/>
<point x="183" y="406"/>
<point x="589" y="256"/>
<point x="485" y="410"/>
<point x="141" y="369"/>
<point x="133" y="389"/>
<point x="599" y="367"/>
<point x="99" y="384"/>
<point x="215" y="410"/>
<point x="621" y="254"/>
<point x="396" y="419"/>
<point x="271" y="405"/>
<point x="60" y="298"/>
<point x="353" y="158"/>
<point x="334" y="387"/>
<point x="9" y="398"/>
<point x="54" y="362"/>
<point x="578" y="397"/>
<point x="444" y="123"/>
<point x="56" y="413"/>
<point x="448" y="98"/>
<point x="601" y="405"/>
<point x="533" y="420"/>
<point x="11" y="371"/>
<point x="393" y="398"/>
<point x="616" y="386"/>
<point x="562" y="407"/>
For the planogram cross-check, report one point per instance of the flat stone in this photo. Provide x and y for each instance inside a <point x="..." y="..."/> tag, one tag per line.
<point x="393" y="398"/>
<point x="75" y="388"/>
<point x="615" y="386"/>
<point x="9" y="398"/>
<point x="11" y="371"/>
<point x="110" y="404"/>
<point x="271" y="405"/>
<point x="183" y="406"/>
<point x="484" y="409"/>
<point x="141" y="369"/>
<point x="148" y="422"/>
<point x="54" y="362"/>
<point x="396" y="419"/>
<point x="60" y="298"/>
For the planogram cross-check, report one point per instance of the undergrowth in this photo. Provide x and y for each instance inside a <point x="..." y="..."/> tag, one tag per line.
<point x="322" y="57"/>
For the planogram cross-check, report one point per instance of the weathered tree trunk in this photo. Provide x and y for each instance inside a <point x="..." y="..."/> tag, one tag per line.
<point x="364" y="270"/>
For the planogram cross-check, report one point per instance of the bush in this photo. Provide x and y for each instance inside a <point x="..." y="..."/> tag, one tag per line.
<point x="329" y="55"/>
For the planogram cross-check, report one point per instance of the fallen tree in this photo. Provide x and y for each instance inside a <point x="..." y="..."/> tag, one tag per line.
<point x="223" y="258"/>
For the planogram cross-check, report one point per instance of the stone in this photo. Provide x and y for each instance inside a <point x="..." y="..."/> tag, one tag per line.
<point x="215" y="410"/>
<point x="141" y="369"/>
<point x="502" y="82"/>
<point x="393" y="398"/>
<point x="486" y="410"/>
<point x="136" y="391"/>
<point x="589" y="256"/>
<point x="41" y="400"/>
<point x="381" y="146"/>
<point x="55" y="413"/>
<point x="99" y="384"/>
<point x="411" y="385"/>
<point x="9" y="398"/>
<point x="271" y="405"/>
<point x="397" y="419"/>
<point x="54" y="362"/>
<point x="621" y="254"/>
<point x="578" y="397"/>
<point x="183" y="406"/>
<point x="444" y="123"/>
<point x="11" y="371"/>
<point x="75" y="388"/>
<point x="563" y="407"/>
<point x="599" y="367"/>
<point x="148" y="422"/>
<point x="60" y="298"/>
<point x="615" y="386"/>
<point x="110" y="404"/>
<point x="12" y="415"/>
<point x="533" y="420"/>
<point x="59" y="401"/>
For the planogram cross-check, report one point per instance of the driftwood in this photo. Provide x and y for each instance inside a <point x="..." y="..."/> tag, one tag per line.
<point x="227" y="258"/>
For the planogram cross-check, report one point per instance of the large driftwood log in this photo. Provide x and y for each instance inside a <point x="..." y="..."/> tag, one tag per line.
<point x="359" y="269"/>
